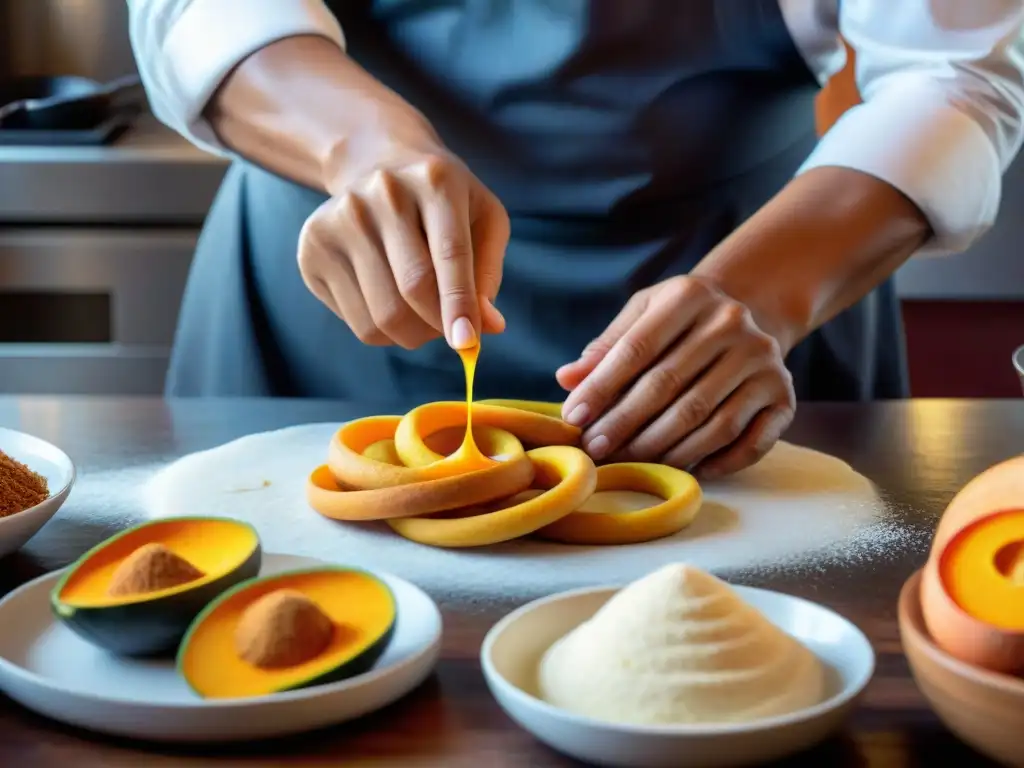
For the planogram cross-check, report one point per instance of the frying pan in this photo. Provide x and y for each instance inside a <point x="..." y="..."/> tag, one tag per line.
<point x="65" y="102"/>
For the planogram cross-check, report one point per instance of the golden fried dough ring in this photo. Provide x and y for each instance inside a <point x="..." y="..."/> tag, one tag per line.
<point x="554" y="410"/>
<point x="530" y="426"/>
<point x="345" y="455"/>
<point x="567" y="472"/>
<point x="406" y="470"/>
<point x="355" y="487"/>
<point x="682" y="494"/>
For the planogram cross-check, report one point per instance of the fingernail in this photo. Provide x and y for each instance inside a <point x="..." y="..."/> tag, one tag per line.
<point x="598" y="447"/>
<point x="463" y="334"/>
<point x="578" y="415"/>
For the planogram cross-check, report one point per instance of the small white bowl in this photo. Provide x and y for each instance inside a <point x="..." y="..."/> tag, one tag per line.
<point x="513" y="648"/>
<point x="50" y="462"/>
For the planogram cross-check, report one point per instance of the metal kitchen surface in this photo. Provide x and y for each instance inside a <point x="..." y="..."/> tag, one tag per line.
<point x="149" y="175"/>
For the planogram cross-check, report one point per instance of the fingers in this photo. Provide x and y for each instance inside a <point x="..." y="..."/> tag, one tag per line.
<point x="444" y="207"/>
<point x="724" y="426"/>
<point x="671" y="398"/>
<point x="663" y="320"/>
<point x="712" y="364"/>
<point x="390" y="312"/>
<point x="490" y="231"/>
<point x="760" y="436"/>
<point x="571" y="375"/>
<point x="407" y="256"/>
<point x="318" y="256"/>
<point x="397" y="221"/>
<point x="491" y="317"/>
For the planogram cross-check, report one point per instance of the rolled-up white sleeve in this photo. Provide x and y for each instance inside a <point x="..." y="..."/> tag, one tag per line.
<point x="185" y="48"/>
<point x="942" y="83"/>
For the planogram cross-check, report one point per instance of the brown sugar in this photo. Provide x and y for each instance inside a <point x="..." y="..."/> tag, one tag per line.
<point x="282" y="629"/>
<point x="149" y="568"/>
<point x="20" y="487"/>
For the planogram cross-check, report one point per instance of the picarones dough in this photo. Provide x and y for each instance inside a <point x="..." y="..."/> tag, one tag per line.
<point x="384" y="468"/>
<point x="680" y="647"/>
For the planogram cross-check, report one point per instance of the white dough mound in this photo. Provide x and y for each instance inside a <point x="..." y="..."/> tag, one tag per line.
<point x="680" y="647"/>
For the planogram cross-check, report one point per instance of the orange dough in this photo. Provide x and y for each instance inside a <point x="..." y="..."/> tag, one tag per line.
<point x="973" y="593"/>
<point x="435" y="487"/>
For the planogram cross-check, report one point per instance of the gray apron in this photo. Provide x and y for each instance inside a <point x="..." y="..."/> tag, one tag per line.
<point x="625" y="138"/>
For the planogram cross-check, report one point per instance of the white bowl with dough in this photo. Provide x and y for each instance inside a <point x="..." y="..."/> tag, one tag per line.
<point x="513" y="648"/>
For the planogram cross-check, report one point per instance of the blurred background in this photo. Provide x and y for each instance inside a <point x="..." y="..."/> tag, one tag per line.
<point x="98" y="222"/>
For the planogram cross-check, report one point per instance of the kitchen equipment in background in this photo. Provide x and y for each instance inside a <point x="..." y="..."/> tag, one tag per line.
<point x="52" y="37"/>
<point x="71" y="63"/>
<point x="89" y="310"/>
<point x="66" y="109"/>
<point x="98" y="224"/>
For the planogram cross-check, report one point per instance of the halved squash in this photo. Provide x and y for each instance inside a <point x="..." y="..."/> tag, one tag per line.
<point x="288" y="630"/>
<point x="136" y="593"/>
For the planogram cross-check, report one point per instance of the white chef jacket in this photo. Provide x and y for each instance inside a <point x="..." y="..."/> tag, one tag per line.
<point x="942" y="83"/>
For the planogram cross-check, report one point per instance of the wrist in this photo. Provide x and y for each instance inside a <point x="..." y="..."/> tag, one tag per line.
<point x="824" y="242"/>
<point x="385" y="129"/>
<point x="783" y="311"/>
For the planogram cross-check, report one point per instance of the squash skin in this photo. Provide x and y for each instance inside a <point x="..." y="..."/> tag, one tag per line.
<point x="149" y="628"/>
<point x="357" y="665"/>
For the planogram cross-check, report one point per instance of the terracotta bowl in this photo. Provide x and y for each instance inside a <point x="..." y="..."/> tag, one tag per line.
<point x="984" y="709"/>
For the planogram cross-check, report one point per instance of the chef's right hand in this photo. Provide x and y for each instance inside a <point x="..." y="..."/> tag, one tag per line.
<point x="410" y="245"/>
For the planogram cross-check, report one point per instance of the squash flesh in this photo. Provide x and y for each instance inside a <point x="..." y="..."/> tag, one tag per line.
<point x="361" y="607"/>
<point x="213" y="546"/>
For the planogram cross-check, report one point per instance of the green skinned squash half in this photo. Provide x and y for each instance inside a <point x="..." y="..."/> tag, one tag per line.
<point x="222" y="551"/>
<point x="359" y="610"/>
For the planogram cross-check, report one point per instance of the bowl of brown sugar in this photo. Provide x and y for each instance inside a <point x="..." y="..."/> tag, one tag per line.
<point x="35" y="480"/>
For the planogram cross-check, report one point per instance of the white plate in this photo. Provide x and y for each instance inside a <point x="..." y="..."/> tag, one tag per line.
<point x="47" y="668"/>
<point x="513" y="648"/>
<point x="50" y="462"/>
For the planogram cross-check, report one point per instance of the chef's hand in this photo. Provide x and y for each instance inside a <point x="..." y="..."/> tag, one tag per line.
<point x="682" y="376"/>
<point x="410" y="245"/>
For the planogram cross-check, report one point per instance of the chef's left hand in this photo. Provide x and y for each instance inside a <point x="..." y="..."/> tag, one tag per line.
<point x="682" y="376"/>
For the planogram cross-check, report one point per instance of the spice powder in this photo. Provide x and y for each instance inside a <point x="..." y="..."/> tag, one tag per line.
<point x="20" y="487"/>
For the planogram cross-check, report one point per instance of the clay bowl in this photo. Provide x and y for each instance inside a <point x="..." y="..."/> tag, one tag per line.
<point x="984" y="709"/>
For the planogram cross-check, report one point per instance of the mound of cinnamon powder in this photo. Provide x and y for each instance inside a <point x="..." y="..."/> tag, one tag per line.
<point x="149" y="568"/>
<point x="20" y="487"/>
<point x="283" y="628"/>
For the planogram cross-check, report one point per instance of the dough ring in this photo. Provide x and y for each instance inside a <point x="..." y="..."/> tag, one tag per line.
<point x="530" y="426"/>
<point x="354" y="487"/>
<point x="682" y="500"/>
<point x="566" y="472"/>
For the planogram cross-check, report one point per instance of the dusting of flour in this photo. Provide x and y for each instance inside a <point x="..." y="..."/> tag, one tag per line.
<point x="795" y="508"/>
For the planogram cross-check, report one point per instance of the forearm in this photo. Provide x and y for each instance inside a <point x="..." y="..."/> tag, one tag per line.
<point x="299" y="106"/>
<point x="819" y="246"/>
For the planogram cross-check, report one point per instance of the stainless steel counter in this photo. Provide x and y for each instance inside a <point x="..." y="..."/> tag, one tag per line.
<point x="149" y="175"/>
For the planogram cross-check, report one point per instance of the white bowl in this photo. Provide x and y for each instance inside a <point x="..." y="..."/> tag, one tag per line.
<point x="512" y="650"/>
<point x="50" y="462"/>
